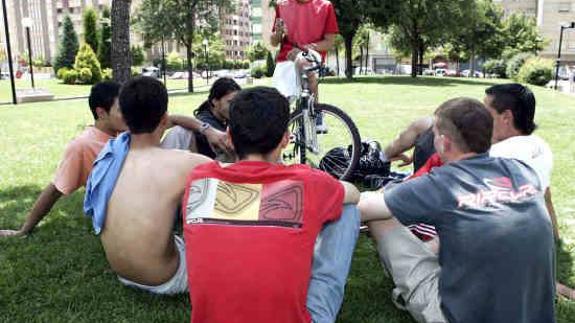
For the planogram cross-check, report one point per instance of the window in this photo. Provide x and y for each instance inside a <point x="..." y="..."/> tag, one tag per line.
<point x="235" y="32"/>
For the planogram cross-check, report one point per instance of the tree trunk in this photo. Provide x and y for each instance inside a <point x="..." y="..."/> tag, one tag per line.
<point x="414" y="51"/>
<point x="367" y="53"/>
<point x="190" y="24"/>
<point x="360" y="59"/>
<point x="121" y="57"/>
<point x="472" y="63"/>
<point x="420" y="57"/>
<point x="337" y="59"/>
<point x="348" y="61"/>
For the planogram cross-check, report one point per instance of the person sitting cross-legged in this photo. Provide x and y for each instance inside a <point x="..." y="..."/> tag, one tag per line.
<point x="251" y="228"/>
<point x="496" y="259"/>
<point x="134" y="191"/>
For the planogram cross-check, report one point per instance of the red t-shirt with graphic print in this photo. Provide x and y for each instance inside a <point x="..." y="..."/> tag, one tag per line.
<point x="250" y="230"/>
<point x="306" y="23"/>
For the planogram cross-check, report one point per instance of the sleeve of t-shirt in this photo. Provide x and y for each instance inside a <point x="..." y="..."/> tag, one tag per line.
<point x="331" y="22"/>
<point x="68" y="176"/>
<point x="328" y="194"/>
<point x="419" y="200"/>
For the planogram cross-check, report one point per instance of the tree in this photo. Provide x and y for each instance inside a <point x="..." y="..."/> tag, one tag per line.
<point x="121" y="58"/>
<point x="86" y="59"/>
<point x="89" y="22"/>
<point x="336" y="47"/>
<point x="215" y="52"/>
<point x="68" y="46"/>
<point x="353" y="13"/>
<point x="176" y="19"/>
<point x="105" y="40"/>
<point x="480" y="32"/>
<point x="421" y="24"/>
<point x="138" y="55"/>
<point x="257" y="52"/>
<point x="521" y="35"/>
<point x="270" y="65"/>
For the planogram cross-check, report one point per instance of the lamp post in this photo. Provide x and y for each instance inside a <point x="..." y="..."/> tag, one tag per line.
<point x="570" y="26"/>
<point x="205" y="43"/>
<point x="28" y="23"/>
<point x="9" y="50"/>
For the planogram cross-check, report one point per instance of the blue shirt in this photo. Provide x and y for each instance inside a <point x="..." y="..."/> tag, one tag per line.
<point x="102" y="179"/>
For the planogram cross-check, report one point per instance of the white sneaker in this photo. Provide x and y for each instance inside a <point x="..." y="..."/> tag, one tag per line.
<point x="321" y="128"/>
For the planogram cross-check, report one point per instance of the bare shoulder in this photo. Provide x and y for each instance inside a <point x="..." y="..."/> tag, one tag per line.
<point x="186" y="160"/>
<point x="422" y="124"/>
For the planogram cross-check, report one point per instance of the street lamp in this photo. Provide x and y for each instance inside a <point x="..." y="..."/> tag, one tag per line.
<point x="28" y="23"/>
<point x="205" y="43"/>
<point x="570" y="26"/>
<point x="9" y="52"/>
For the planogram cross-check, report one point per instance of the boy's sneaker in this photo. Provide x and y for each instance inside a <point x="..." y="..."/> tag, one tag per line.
<point x="321" y="128"/>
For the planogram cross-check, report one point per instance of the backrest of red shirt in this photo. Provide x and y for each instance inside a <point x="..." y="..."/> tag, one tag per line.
<point x="250" y="230"/>
<point x="306" y="23"/>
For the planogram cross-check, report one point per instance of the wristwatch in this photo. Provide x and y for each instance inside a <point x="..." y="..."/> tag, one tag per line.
<point x="205" y="126"/>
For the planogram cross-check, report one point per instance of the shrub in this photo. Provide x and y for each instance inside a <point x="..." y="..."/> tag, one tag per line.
<point x="515" y="63"/>
<point x="107" y="74"/>
<point x="70" y="77"/>
<point x="536" y="71"/>
<point x="270" y="65"/>
<point x="86" y="58"/>
<point x="237" y="65"/>
<point x="135" y="71"/>
<point x="174" y="62"/>
<point x="258" y="72"/>
<point x="61" y="73"/>
<point x="246" y="64"/>
<point x="228" y="65"/>
<point x="84" y="75"/>
<point x="138" y="55"/>
<point x="495" y="67"/>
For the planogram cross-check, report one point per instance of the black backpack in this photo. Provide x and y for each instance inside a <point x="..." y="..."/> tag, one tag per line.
<point x="371" y="161"/>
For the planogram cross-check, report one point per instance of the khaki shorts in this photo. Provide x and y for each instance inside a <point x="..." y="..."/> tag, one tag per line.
<point x="415" y="272"/>
<point x="177" y="284"/>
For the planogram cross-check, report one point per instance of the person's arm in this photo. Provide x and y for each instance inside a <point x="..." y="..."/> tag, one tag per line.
<point x="351" y="193"/>
<point x="215" y="137"/>
<point x="43" y="205"/>
<point x="373" y="207"/>
<point x="279" y="30"/>
<point x="551" y="211"/>
<point x="406" y="140"/>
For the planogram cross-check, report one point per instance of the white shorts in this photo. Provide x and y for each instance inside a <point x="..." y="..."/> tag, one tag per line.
<point x="177" y="284"/>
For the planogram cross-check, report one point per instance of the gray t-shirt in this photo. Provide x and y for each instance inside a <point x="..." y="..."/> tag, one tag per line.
<point x="497" y="250"/>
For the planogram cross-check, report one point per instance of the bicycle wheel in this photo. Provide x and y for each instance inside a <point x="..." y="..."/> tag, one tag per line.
<point x="317" y="148"/>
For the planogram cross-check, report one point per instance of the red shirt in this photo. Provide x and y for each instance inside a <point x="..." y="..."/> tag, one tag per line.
<point x="250" y="230"/>
<point x="306" y="23"/>
<point x="424" y="231"/>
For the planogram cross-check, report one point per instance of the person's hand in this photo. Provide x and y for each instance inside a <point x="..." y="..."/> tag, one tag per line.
<point x="293" y="54"/>
<point x="218" y="139"/>
<point x="406" y="160"/>
<point x="11" y="233"/>
<point x="280" y="29"/>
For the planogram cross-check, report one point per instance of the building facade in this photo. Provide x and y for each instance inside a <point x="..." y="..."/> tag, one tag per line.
<point x="262" y="19"/>
<point x="550" y="15"/>
<point x="236" y="30"/>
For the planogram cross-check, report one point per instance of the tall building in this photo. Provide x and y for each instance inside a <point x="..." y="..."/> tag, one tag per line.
<point x="236" y="30"/>
<point x="262" y="19"/>
<point x="550" y="15"/>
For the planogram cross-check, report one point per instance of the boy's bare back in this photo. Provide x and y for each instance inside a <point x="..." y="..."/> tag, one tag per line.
<point x="137" y="235"/>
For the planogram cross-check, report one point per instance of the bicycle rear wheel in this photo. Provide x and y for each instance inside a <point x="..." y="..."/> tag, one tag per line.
<point x="335" y="150"/>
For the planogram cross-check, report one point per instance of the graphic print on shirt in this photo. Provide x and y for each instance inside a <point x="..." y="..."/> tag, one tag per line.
<point x="212" y="201"/>
<point x="500" y="191"/>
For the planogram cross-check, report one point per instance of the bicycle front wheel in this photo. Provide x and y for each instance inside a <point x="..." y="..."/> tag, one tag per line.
<point x="334" y="147"/>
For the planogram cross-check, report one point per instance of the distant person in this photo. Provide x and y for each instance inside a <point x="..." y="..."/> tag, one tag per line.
<point x="134" y="191"/>
<point x="213" y="113"/>
<point x="496" y="259"/>
<point x="251" y="228"/>
<point x="79" y="155"/>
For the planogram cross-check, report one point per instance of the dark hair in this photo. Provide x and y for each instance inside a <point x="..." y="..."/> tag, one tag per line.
<point x="258" y="120"/>
<point x="221" y="87"/>
<point x="517" y="98"/>
<point x="467" y="122"/>
<point x="143" y="102"/>
<point x="103" y="95"/>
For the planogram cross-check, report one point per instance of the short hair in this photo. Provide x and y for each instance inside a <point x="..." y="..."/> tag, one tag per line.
<point x="517" y="98"/>
<point x="258" y="120"/>
<point x="143" y="102"/>
<point x="103" y="95"/>
<point x="467" y="122"/>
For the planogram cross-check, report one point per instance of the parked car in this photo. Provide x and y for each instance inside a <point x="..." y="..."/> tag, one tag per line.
<point x="428" y="71"/>
<point x="440" y="72"/>
<point x="467" y="73"/>
<point x="452" y="73"/>
<point x="151" y="71"/>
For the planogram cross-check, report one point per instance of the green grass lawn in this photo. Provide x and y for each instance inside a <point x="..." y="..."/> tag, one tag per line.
<point x="59" y="274"/>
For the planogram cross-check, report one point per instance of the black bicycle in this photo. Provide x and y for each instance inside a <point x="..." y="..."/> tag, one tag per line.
<point x="317" y="130"/>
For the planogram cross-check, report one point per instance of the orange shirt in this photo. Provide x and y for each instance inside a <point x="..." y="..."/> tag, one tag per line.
<point x="78" y="158"/>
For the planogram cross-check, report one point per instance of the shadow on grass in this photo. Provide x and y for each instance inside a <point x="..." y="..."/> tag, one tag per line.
<point x="60" y="272"/>
<point x="407" y="80"/>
